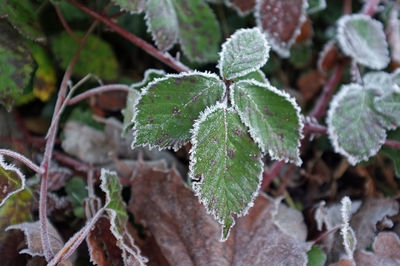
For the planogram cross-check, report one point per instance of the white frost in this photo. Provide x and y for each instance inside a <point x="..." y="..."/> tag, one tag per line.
<point x="11" y="167"/>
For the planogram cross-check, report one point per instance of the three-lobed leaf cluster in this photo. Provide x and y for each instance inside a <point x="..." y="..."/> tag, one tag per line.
<point x="231" y="122"/>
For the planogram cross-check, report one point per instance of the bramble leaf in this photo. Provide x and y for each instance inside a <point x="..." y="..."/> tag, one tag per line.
<point x="168" y="107"/>
<point x="225" y="165"/>
<point x="381" y="82"/>
<point x="244" y="52"/>
<point x="389" y="106"/>
<point x="17" y="65"/>
<point x="315" y="6"/>
<point x="356" y="130"/>
<point x="133" y="6"/>
<point x="162" y="22"/>
<point x="272" y="116"/>
<point x="256" y="75"/>
<point x="281" y="22"/>
<point x="134" y="94"/>
<point x="363" y="38"/>
<point x="393" y="154"/>
<point x="11" y="180"/>
<point x="97" y="56"/>
<point x="23" y="16"/>
<point x="199" y="31"/>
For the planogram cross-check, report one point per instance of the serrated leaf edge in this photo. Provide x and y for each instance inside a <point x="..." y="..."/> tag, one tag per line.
<point x="341" y="26"/>
<point x="11" y="167"/>
<point x="232" y="38"/>
<point x="126" y="9"/>
<point x="251" y="131"/>
<point x="282" y="50"/>
<point x="333" y="136"/>
<point x="176" y="145"/>
<point x="197" y="185"/>
<point x="237" y="9"/>
<point x="146" y="75"/>
<point x="317" y="9"/>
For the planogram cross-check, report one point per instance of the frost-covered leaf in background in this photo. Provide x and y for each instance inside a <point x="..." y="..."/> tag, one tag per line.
<point x="23" y="16"/>
<point x="17" y="65"/>
<point x="134" y="94"/>
<point x="389" y="105"/>
<point x="192" y="22"/>
<point x="272" y="116"/>
<point x="97" y="56"/>
<point x="363" y="38"/>
<point x="355" y="129"/>
<point x="11" y="180"/>
<point x="225" y="165"/>
<point x="315" y="5"/>
<point x="77" y="193"/>
<point x="133" y="6"/>
<point x="348" y="235"/>
<point x="116" y="210"/>
<point x="168" y="107"/>
<point x="244" y="52"/>
<point x="281" y="22"/>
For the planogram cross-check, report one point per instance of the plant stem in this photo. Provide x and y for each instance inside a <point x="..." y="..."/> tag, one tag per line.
<point x="325" y="234"/>
<point x="23" y="160"/>
<point x="65" y="24"/>
<point x="392" y="144"/>
<point x="148" y="48"/>
<point x="98" y="90"/>
<point x="272" y="172"/>
<point x="370" y="7"/>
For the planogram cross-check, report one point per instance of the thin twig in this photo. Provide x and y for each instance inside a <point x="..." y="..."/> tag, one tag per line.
<point x="98" y="90"/>
<point x="325" y="234"/>
<point x="271" y="173"/>
<point x="22" y="159"/>
<point x="148" y="48"/>
<point x="393" y="144"/>
<point x="65" y="24"/>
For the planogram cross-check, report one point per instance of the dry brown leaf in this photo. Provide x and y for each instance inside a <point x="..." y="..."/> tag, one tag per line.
<point x="386" y="251"/>
<point x="187" y="235"/>
<point x="343" y="262"/>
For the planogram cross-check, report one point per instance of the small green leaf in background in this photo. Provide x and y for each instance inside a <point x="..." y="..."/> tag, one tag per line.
<point x="168" y="107"/>
<point x="300" y="55"/>
<point x="355" y="129"/>
<point x="244" y="52"/>
<point x="272" y="116"/>
<point x="133" y="6"/>
<point x="23" y="16"/>
<point x="393" y="154"/>
<point x="316" y="256"/>
<point x="225" y="165"/>
<point x="77" y="193"/>
<point x="96" y="58"/>
<point x="17" y="65"/>
<point x="11" y="180"/>
<point x="315" y="6"/>
<point x="134" y="94"/>
<point x="363" y="38"/>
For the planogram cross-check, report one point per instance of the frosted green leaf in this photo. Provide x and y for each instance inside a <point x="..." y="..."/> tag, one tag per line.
<point x="11" y="180"/>
<point x="256" y="75"/>
<point x="162" y="22"/>
<point x="316" y="256"/>
<point x="244" y="52"/>
<point x="17" y="65"/>
<point x="77" y="193"/>
<point x="115" y="206"/>
<point x="363" y="38"/>
<point x="381" y="82"/>
<point x="168" y="107"/>
<point x="134" y="94"/>
<point x="97" y="56"/>
<point x="23" y="16"/>
<point x="199" y="31"/>
<point x="389" y="105"/>
<point x="392" y="153"/>
<point x="225" y="165"/>
<point x="355" y="129"/>
<point x="315" y="6"/>
<point x="396" y="76"/>
<point x="272" y="116"/>
<point x="133" y="6"/>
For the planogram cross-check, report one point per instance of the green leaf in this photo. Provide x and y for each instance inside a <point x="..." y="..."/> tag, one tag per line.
<point x="17" y="65"/>
<point x="315" y="6"/>
<point x="77" y="193"/>
<point x="316" y="256"/>
<point x="355" y="129"/>
<point x="392" y="153"/>
<point x="169" y="106"/>
<point x="162" y="22"/>
<point x="389" y="106"/>
<point x="272" y="116"/>
<point x="199" y="31"/>
<point x="11" y="180"/>
<point x="133" y="6"/>
<point x="225" y="165"/>
<point x="134" y="94"/>
<point x="115" y="206"/>
<point x="380" y="81"/>
<point x="363" y="38"/>
<point x="244" y="52"/>
<point x="23" y="16"/>
<point x="300" y="55"/>
<point x="256" y="75"/>
<point x="97" y="57"/>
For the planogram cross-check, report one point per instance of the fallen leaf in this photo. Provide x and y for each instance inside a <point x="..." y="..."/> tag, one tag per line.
<point x="187" y="235"/>
<point x="310" y="84"/>
<point x="328" y="57"/>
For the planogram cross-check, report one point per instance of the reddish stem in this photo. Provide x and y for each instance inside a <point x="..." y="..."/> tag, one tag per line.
<point x="370" y="7"/>
<point x="272" y="172"/>
<point x="393" y="144"/>
<point x="325" y="234"/>
<point x="98" y="90"/>
<point x="23" y="160"/>
<point x="65" y="24"/>
<point x="163" y="57"/>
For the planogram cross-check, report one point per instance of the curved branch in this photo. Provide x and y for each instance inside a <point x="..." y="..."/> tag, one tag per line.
<point x="23" y="160"/>
<point x="98" y="90"/>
